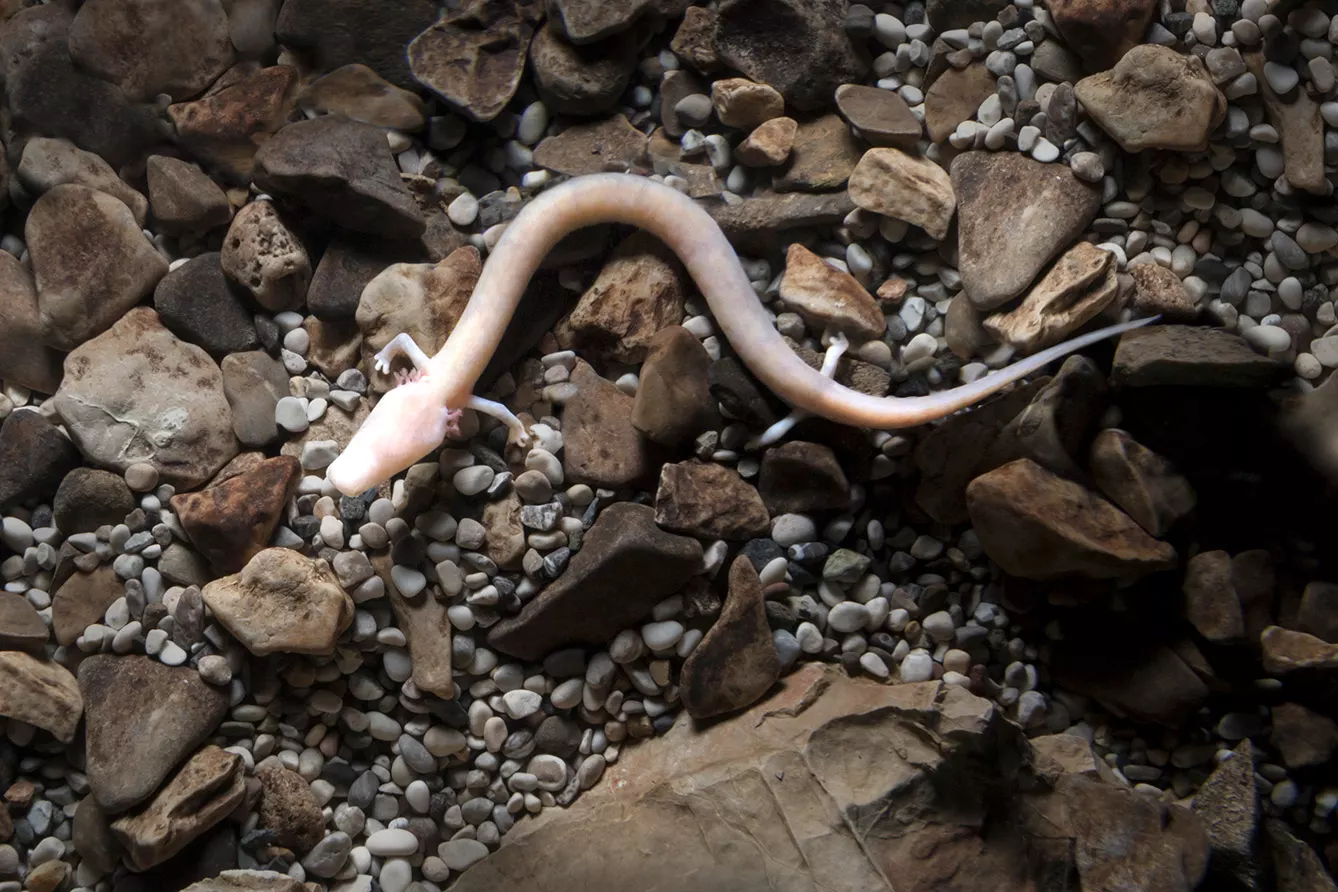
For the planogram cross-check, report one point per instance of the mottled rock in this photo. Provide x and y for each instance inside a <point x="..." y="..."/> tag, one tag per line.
<point x="504" y="542"/>
<point x="1190" y="356"/>
<point x="582" y="80"/>
<point x="358" y="93"/>
<point x="694" y="41"/>
<point x="1144" y="484"/>
<point x="198" y="304"/>
<point x="223" y="129"/>
<point x="47" y="163"/>
<point x="288" y="807"/>
<point x="184" y="198"/>
<point x="735" y="663"/>
<point x="342" y="170"/>
<point x="24" y="359"/>
<point x="799" y="477"/>
<point x="232" y="522"/>
<point x="592" y="601"/>
<point x="1080" y="284"/>
<point x="1228" y="804"/>
<point x="673" y="399"/>
<point x="1155" y="98"/>
<point x="1005" y="198"/>
<point x="473" y="59"/>
<point x="248" y="881"/>
<point x="137" y="394"/>
<point x="601" y="445"/>
<point x="609" y="145"/>
<point x="823" y="154"/>
<point x="880" y="116"/>
<point x="769" y="145"/>
<point x="1036" y="525"/>
<point x="828" y="297"/>
<point x="739" y="102"/>
<point x="143" y="719"/>
<point x="335" y="33"/>
<point x="90" y="260"/>
<point x="1304" y="738"/>
<point x="41" y="693"/>
<point x="905" y="187"/>
<point x="21" y="626"/>
<point x="88" y="498"/>
<point x="253" y="383"/>
<point x="1102" y="31"/>
<point x="710" y="501"/>
<point x="585" y="21"/>
<point x="954" y="97"/>
<point x="261" y="254"/>
<point x="282" y="602"/>
<point x="1159" y="292"/>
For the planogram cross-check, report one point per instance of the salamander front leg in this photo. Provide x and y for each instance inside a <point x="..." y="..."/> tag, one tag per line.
<point x="837" y="345"/>
<point x="401" y="345"/>
<point x="516" y="432"/>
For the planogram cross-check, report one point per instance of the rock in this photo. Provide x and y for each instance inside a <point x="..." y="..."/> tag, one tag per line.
<point x="904" y="187"/>
<point x="709" y="501"/>
<point x="261" y="254"/>
<point x="1211" y="602"/>
<point x="1055" y="429"/>
<point x="829" y="298"/>
<point x="81" y="600"/>
<point x="182" y="566"/>
<point x="1318" y="613"/>
<point x="358" y="93"/>
<point x="1037" y="525"/>
<point x="288" y="807"/>
<point x="673" y="399"/>
<point x="1054" y="62"/>
<point x="197" y="304"/>
<point x="1072" y="293"/>
<point x="232" y="522"/>
<point x="1142" y="483"/>
<point x="769" y="145"/>
<point x="248" y="881"/>
<point x="143" y="719"/>
<point x="47" y="163"/>
<point x="253" y="383"/>
<point x="735" y="663"/>
<point x="582" y="80"/>
<point x="185" y="200"/>
<point x="223" y="130"/>
<point x="611" y="144"/>
<point x="1155" y="98"/>
<point x="473" y="59"/>
<point x="1285" y="650"/>
<point x="1159" y="292"/>
<point x="694" y="41"/>
<point x="880" y="116"/>
<point x="92" y="836"/>
<point x="137" y="394"/>
<point x="342" y="170"/>
<point x="90" y="260"/>
<point x="1143" y="679"/>
<point x="203" y="792"/>
<point x="88" y="498"/>
<point x="850" y="372"/>
<point x="822" y="156"/>
<point x="798" y="477"/>
<point x="1190" y="356"/>
<point x="1295" y="864"/>
<point x="21" y="626"/>
<point x="428" y="629"/>
<point x="677" y="86"/>
<point x="1005" y="198"/>
<point x="34" y="458"/>
<point x="638" y="292"/>
<point x="1228" y="805"/>
<point x="954" y="97"/>
<point x="803" y="51"/>
<point x="24" y="359"/>
<point x="1300" y="129"/>
<point x="583" y="21"/>
<point x="504" y="542"/>
<point x="282" y="602"/>
<point x="41" y="693"/>
<point x="422" y="300"/>
<point x="963" y="330"/>
<point x="601" y="447"/>
<point x="1101" y="31"/>
<point x="347" y="266"/>
<point x="765" y="217"/>
<point x="946" y="15"/>
<point x="335" y="33"/>
<point x="1304" y="738"/>
<point x="591" y="601"/>
<point x="741" y="103"/>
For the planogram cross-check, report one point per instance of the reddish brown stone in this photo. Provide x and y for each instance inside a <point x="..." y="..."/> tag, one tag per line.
<point x="710" y="501"/>
<point x="224" y="128"/>
<point x="232" y="522"/>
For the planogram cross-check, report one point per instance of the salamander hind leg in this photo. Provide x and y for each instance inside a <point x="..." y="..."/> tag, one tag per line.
<point x="401" y="345"/>
<point x="837" y="345"/>
<point x="516" y="432"/>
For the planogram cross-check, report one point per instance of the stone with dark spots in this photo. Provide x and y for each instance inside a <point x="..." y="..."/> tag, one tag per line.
<point x="89" y="498"/>
<point x="673" y="400"/>
<point x="223" y="129"/>
<point x="232" y="522"/>
<point x="736" y="662"/>
<point x="198" y="304"/>
<point x="34" y="457"/>
<point x="474" y="58"/>
<point x="335" y="33"/>
<point x="799" y="477"/>
<point x="1228" y="805"/>
<point x="289" y="808"/>
<point x="625" y="567"/>
<point x="47" y="163"/>
<point x="710" y="501"/>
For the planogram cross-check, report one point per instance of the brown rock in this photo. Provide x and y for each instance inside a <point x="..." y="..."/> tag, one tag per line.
<point x="282" y="602"/>
<point x="673" y="401"/>
<point x="905" y="187"/>
<point x="963" y="328"/>
<point x="1287" y="651"/>
<point x="504" y="542"/>
<point x="347" y="265"/>
<point x="203" y="792"/>
<point x="639" y="291"/>
<point x="799" y="477"/>
<point x="248" y="881"/>
<point x="1190" y="356"/>
<point x="762" y="218"/>
<point x="288" y="807"/>
<point x="1211" y="603"/>
<point x="335" y="345"/>
<point x="47" y="163"/>
<point x="1296" y="866"/>
<point x="735" y="663"/>
<point x="1005" y="198"/>
<point x="1056" y="427"/>
<point x="89" y="498"/>
<point x="625" y="567"/>
<point x="474" y="62"/>
<point x="253" y="383"/>
<point x="745" y="104"/>
<point x="144" y="718"/>
<point x="82" y="600"/>
<point x="850" y="372"/>
<point x="1102" y="31"/>
<point x="769" y="145"/>
<point x="1158" y="291"/>
<point x="358" y="93"/>
<point x="231" y="523"/>
<point x="600" y="445"/>
<point x="21" y="626"/>
<point x="1146" y="680"/>
<point x="24" y="359"/>
<point x="580" y="80"/>
<point x="428" y="630"/>
<point x="675" y="86"/>
<point x="1300" y="129"/>
<point x="92" y="836"/>
<point x="47" y="876"/>
<point x="694" y="41"/>
<point x="1253" y="578"/>
<point x="954" y="97"/>
<point x="1228" y="805"/>
<point x="1318" y="613"/>
<point x="41" y="693"/>
<point x="1072" y="293"/>
<point x="1155" y="98"/>
<point x="612" y="144"/>
<point x="184" y="198"/>
<point x="1303" y="737"/>
<point x="1036" y="525"/>
<point x="224" y="129"/>
<point x="334" y="33"/>
<point x="34" y="457"/>
<point x="1145" y="485"/>
<point x="880" y="116"/>
<point x="261" y="254"/>
<point x="827" y="297"/>
<point x="823" y="155"/>
<point x="709" y="501"/>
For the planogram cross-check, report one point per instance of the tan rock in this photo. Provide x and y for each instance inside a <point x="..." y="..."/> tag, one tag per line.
<point x="24" y="358"/>
<point x="261" y="254"/>
<point x="360" y="94"/>
<point x="201" y="794"/>
<point x="21" y="626"/>
<point x="1037" y="525"/>
<point x="894" y="184"/>
<point x="1102" y="31"/>
<point x="600" y="445"/>
<point x="954" y="97"/>
<point x="185" y="199"/>
<point x="880" y="116"/>
<point x="1228" y="804"/>
<point x="1055" y="428"/>
<point x="92" y="836"/>
<point x="282" y="602"/>
<point x="1287" y="651"/>
<point x="41" y="693"/>
<point x="829" y="298"/>
<point x="474" y="57"/>
<point x="735" y="663"/>
<point x="769" y="145"/>
<point x="1075" y="290"/>
<point x="47" y="876"/>
<point x="639" y="291"/>
<point x="253" y="383"/>
<point x="231" y="523"/>
<point x="504" y="542"/>
<point x="428" y="630"/>
<point x="1144" y="484"/>
<point x="248" y="881"/>
<point x="710" y="501"/>
<point x="673" y="402"/>
<point x="1296" y="864"/>
<point x="612" y="144"/>
<point x="822" y="157"/>
<point x="336" y="345"/>
<point x="1211" y="603"/>
<point x="745" y="104"/>
<point x="694" y="41"/>
<point x="1155" y="98"/>
<point x="1159" y="292"/>
<point x="1300" y="128"/>
<point x="47" y="163"/>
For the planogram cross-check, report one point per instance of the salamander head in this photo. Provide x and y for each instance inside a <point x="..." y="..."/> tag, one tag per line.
<point x="406" y="424"/>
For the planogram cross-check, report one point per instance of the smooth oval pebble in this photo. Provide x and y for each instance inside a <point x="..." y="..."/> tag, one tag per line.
<point x="392" y="843"/>
<point x="462" y="854"/>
